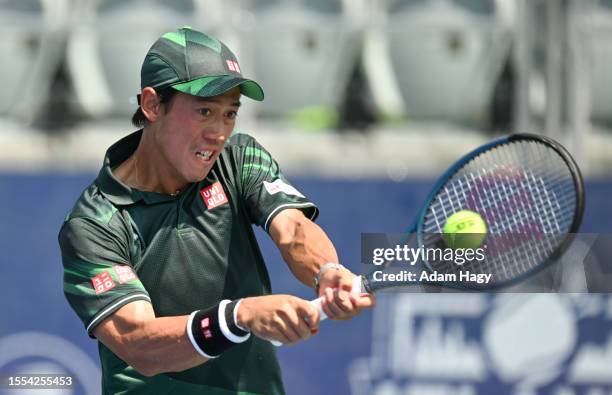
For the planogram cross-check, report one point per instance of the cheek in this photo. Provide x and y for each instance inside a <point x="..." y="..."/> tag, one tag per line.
<point x="229" y="128"/>
<point x="175" y="144"/>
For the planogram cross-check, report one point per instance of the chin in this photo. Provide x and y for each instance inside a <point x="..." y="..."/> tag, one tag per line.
<point x="198" y="177"/>
<point x="194" y="179"/>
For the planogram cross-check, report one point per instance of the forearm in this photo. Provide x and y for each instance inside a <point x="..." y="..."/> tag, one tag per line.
<point x="162" y="346"/>
<point x="303" y="245"/>
<point x="151" y="345"/>
<point x="306" y="247"/>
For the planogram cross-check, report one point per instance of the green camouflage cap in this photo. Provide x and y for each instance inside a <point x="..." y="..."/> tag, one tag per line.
<point x="194" y="63"/>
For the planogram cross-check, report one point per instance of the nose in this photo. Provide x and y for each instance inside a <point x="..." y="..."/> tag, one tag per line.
<point x="215" y="139"/>
<point x="216" y="133"/>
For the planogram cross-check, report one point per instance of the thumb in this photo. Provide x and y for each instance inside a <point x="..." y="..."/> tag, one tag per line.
<point x="310" y="313"/>
<point x="365" y="300"/>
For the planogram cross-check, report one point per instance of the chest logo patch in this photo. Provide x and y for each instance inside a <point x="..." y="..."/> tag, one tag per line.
<point x="213" y="195"/>
<point x="103" y="282"/>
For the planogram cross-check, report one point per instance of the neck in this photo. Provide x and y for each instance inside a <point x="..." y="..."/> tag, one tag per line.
<point x="147" y="170"/>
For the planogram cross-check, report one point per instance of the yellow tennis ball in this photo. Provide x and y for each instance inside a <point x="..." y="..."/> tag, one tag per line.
<point x="464" y="229"/>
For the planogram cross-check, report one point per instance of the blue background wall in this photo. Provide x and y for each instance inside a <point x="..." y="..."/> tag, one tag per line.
<point x="34" y="205"/>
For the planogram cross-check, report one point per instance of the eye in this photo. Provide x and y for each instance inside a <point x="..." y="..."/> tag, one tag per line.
<point x="205" y="112"/>
<point x="232" y="114"/>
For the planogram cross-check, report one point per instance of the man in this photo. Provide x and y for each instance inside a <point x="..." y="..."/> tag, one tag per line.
<point x="160" y="259"/>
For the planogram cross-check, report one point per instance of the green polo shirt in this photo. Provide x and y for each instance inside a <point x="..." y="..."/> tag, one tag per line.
<point x="182" y="254"/>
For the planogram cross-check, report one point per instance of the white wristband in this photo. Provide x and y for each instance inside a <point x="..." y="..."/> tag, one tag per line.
<point x="235" y="314"/>
<point x="225" y="329"/>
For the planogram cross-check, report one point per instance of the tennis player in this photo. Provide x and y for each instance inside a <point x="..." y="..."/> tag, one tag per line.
<point x="160" y="259"/>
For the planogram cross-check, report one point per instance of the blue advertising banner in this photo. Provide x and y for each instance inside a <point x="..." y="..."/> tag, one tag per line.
<point x="410" y="344"/>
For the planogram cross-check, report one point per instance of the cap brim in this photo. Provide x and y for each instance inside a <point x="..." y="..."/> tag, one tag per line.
<point x="217" y="85"/>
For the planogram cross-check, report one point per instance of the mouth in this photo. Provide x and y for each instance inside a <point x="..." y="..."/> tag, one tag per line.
<point x="205" y="155"/>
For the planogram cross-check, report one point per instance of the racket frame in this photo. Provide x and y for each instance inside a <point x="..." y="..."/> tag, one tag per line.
<point x="417" y="225"/>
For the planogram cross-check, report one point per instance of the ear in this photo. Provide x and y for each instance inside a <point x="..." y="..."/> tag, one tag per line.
<point x="150" y="104"/>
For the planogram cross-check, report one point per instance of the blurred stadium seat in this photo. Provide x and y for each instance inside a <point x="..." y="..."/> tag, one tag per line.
<point x="302" y="53"/>
<point x="447" y="57"/>
<point x="108" y="44"/>
<point x="31" y="49"/>
<point x="593" y="31"/>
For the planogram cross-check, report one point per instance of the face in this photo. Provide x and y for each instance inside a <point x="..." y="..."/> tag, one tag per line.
<point x="191" y="133"/>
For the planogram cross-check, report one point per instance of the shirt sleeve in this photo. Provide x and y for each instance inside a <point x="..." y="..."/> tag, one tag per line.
<point x="266" y="190"/>
<point x="98" y="277"/>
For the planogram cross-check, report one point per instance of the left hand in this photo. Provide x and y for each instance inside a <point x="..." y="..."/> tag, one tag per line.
<point x="339" y="303"/>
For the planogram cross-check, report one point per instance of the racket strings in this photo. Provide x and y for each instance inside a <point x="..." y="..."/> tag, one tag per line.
<point x="524" y="191"/>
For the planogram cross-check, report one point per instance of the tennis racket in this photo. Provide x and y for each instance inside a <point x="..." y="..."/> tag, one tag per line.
<point x="530" y="193"/>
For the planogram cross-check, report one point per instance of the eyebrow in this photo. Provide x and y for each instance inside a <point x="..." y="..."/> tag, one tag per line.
<point x="213" y="100"/>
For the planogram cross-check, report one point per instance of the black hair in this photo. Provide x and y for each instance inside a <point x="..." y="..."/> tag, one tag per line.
<point x="165" y="96"/>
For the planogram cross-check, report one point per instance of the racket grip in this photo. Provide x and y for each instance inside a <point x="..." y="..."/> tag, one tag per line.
<point x="318" y="303"/>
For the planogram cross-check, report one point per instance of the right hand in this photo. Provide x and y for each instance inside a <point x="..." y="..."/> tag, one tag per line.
<point x="284" y="318"/>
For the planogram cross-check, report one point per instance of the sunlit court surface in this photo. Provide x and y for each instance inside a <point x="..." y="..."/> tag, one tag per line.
<point x="458" y="153"/>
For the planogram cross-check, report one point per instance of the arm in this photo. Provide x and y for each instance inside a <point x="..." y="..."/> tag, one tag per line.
<point x="302" y="243"/>
<point x="154" y="345"/>
<point x="151" y="345"/>
<point x="305" y="247"/>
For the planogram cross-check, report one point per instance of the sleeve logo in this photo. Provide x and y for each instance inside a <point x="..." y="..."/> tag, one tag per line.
<point x="103" y="282"/>
<point x="280" y="186"/>
<point x="124" y="273"/>
<point x="213" y="195"/>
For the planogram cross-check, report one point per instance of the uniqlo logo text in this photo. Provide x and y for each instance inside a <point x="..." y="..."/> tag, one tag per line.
<point x="205" y="325"/>
<point x="213" y="195"/>
<point x="233" y="66"/>
<point x="103" y="282"/>
<point x="124" y="273"/>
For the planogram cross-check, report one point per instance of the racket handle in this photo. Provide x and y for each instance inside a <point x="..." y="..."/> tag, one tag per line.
<point x="356" y="289"/>
<point x="318" y="304"/>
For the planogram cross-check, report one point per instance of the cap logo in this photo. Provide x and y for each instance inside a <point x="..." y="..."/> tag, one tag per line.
<point x="233" y="66"/>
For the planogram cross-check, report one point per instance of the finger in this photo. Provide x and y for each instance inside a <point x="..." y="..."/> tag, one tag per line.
<point x="310" y="314"/>
<point x="343" y="301"/>
<point x="299" y="325"/>
<point x="287" y="323"/>
<point x="325" y="302"/>
<point x="312" y="329"/>
<point x="304" y="329"/>
<point x="330" y="302"/>
<point x="325" y="307"/>
<point x="277" y="334"/>
<point x="290" y="333"/>
<point x="363" y="300"/>
<point x="345" y="281"/>
<point x="298" y="318"/>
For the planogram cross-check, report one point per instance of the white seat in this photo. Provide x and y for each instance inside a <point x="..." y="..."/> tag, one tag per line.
<point x="594" y="34"/>
<point x="301" y="53"/>
<point x="446" y="58"/>
<point x="31" y="50"/>
<point x="108" y="47"/>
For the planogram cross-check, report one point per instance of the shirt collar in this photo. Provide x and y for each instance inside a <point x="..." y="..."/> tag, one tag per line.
<point x="114" y="190"/>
